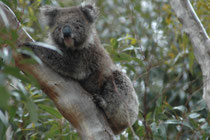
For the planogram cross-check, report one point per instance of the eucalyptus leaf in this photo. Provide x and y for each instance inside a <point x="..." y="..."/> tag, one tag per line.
<point x="4" y="97"/>
<point x="200" y="105"/>
<point x="50" y="110"/>
<point x="54" y="130"/>
<point x="177" y="122"/>
<point x="4" y="118"/>
<point x="192" y="59"/>
<point x="45" y="45"/>
<point x="28" y="52"/>
<point x="194" y="115"/>
<point x="172" y="122"/>
<point x="180" y="108"/>
<point x="32" y="109"/>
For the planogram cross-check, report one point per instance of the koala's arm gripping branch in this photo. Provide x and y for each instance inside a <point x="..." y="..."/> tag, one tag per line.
<point x="72" y="101"/>
<point x="199" y="39"/>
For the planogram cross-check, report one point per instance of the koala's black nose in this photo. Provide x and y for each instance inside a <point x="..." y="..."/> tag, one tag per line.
<point x="66" y="31"/>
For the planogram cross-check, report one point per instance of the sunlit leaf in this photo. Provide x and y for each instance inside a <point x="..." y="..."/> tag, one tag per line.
<point x="114" y="43"/>
<point x="180" y="108"/>
<point x="172" y="122"/>
<point x="122" y="57"/>
<point x="194" y="115"/>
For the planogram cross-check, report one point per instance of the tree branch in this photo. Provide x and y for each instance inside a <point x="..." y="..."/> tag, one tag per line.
<point x="199" y="39"/>
<point x="74" y="103"/>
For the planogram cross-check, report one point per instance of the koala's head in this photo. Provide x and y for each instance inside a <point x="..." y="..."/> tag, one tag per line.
<point x="70" y="27"/>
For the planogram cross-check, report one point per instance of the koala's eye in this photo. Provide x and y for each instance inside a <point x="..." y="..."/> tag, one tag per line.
<point x="77" y="27"/>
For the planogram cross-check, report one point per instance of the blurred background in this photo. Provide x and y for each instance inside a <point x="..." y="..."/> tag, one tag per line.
<point x="146" y="40"/>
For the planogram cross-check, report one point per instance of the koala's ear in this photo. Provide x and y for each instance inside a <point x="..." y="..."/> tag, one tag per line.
<point x="48" y="15"/>
<point x="90" y="11"/>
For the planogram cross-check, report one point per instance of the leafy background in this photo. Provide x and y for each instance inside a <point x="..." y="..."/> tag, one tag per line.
<point x="145" y="39"/>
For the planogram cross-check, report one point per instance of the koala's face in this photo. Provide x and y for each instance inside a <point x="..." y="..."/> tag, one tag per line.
<point x="70" y="27"/>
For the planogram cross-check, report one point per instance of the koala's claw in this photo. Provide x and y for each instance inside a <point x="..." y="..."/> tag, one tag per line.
<point x="99" y="101"/>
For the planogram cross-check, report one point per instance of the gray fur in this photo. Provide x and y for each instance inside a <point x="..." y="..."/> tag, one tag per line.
<point x="85" y="60"/>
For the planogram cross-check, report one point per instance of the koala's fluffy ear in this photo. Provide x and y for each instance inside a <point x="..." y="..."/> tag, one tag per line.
<point x="90" y="11"/>
<point x="48" y="15"/>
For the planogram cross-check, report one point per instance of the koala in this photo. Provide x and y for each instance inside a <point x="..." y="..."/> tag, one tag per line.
<point x="84" y="59"/>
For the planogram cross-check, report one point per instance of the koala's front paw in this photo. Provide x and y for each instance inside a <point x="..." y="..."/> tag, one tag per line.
<point x="99" y="101"/>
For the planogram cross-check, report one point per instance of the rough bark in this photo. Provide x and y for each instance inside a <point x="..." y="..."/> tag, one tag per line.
<point x="199" y="39"/>
<point x="75" y="105"/>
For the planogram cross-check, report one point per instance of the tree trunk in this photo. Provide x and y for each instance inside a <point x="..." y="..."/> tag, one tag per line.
<point x="76" y="104"/>
<point x="199" y="39"/>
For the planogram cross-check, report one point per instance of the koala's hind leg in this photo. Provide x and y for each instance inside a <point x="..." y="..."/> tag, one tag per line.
<point x="121" y="99"/>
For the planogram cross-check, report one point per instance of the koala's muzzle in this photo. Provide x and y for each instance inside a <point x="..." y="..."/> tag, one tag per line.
<point x="67" y="34"/>
<point x="66" y="31"/>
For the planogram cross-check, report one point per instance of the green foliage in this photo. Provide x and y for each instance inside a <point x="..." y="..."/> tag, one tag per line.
<point x="144" y="38"/>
